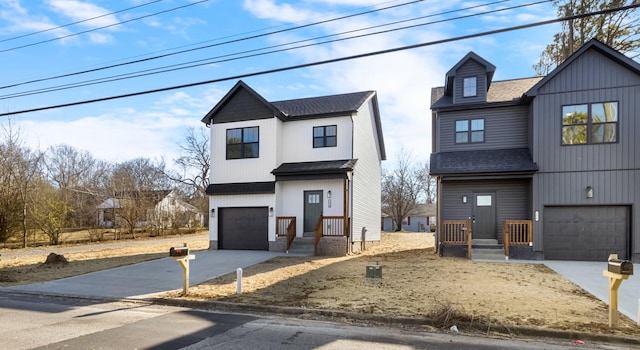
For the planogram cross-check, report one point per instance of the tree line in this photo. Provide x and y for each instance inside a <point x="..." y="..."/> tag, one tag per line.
<point x="48" y="191"/>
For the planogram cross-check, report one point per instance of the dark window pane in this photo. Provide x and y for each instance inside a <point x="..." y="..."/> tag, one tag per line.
<point x="234" y="151"/>
<point x="234" y="136"/>
<point x="462" y="137"/>
<point x="331" y="141"/>
<point x="331" y="130"/>
<point x="251" y="150"/>
<point x="603" y="133"/>
<point x="318" y="131"/>
<point x="318" y="142"/>
<point x="250" y="135"/>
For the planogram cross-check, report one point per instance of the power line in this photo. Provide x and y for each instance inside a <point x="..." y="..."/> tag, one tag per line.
<point x="323" y="62"/>
<point x="77" y="22"/>
<point x="207" y="61"/>
<point x="212" y="45"/>
<point x="103" y="27"/>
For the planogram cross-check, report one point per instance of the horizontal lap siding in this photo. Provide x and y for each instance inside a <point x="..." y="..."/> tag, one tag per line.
<point x="503" y="128"/>
<point x="512" y="199"/>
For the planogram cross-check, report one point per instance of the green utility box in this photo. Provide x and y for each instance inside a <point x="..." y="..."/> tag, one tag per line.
<point x="374" y="271"/>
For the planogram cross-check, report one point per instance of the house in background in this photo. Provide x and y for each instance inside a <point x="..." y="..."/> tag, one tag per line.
<point x="540" y="168"/>
<point x="291" y="172"/>
<point x="418" y="221"/>
<point x="156" y="209"/>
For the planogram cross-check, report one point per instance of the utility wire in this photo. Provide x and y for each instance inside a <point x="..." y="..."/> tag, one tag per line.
<point x="77" y="22"/>
<point x="192" y="64"/>
<point x="211" y="45"/>
<point x="334" y="60"/>
<point x="103" y="27"/>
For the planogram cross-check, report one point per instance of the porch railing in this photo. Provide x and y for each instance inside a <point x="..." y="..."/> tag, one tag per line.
<point x="286" y="226"/>
<point x="457" y="232"/>
<point x="328" y="226"/>
<point x="516" y="232"/>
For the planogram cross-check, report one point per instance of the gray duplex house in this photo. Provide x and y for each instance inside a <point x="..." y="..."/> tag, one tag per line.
<point x="540" y="168"/>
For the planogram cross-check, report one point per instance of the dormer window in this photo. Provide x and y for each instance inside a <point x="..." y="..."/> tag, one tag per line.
<point x="469" y="87"/>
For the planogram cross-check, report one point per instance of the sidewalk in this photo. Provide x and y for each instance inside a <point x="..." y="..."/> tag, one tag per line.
<point x="140" y="280"/>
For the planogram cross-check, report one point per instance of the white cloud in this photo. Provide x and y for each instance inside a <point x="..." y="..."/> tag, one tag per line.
<point x="80" y="11"/>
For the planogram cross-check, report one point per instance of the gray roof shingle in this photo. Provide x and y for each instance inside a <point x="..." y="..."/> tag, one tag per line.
<point x="321" y="167"/>
<point x="323" y="105"/>
<point x="483" y="162"/>
<point x="500" y="91"/>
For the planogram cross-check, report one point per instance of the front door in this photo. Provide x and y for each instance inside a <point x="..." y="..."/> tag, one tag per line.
<point x="312" y="209"/>
<point x="484" y="216"/>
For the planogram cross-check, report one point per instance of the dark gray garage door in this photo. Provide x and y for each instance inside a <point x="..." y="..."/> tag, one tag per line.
<point x="243" y="228"/>
<point x="586" y="233"/>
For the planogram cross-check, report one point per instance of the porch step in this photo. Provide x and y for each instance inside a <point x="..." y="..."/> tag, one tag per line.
<point x="302" y="246"/>
<point x="487" y="254"/>
<point x="309" y="234"/>
<point x="479" y="242"/>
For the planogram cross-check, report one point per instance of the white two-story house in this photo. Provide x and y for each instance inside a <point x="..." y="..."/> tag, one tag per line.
<point x="292" y="170"/>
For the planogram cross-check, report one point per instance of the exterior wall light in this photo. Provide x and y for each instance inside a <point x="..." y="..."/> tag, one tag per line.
<point x="270" y="211"/>
<point x="464" y="199"/>
<point x="213" y="213"/>
<point x="589" y="192"/>
<point x="329" y="194"/>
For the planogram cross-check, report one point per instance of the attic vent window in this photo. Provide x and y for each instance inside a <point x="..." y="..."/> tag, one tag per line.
<point x="469" y="87"/>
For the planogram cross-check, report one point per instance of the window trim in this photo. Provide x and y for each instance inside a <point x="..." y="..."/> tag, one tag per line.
<point x="589" y="125"/>
<point x="469" y="130"/>
<point x="324" y="136"/>
<point x="243" y="144"/>
<point x="475" y="86"/>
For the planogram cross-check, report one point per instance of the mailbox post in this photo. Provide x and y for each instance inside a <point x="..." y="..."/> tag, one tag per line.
<point x="182" y="256"/>
<point x="617" y="271"/>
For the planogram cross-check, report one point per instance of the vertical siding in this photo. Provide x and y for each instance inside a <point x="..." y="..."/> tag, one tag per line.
<point x="299" y="140"/>
<point x="366" y="176"/>
<point x="243" y="106"/>
<point x="290" y="201"/>
<point x="505" y="127"/>
<point x="613" y="170"/>
<point x="513" y="199"/>
<point x="471" y="68"/>
<point x="253" y="200"/>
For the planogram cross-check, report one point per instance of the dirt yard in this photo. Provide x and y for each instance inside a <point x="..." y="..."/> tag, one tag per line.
<point x="415" y="282"/>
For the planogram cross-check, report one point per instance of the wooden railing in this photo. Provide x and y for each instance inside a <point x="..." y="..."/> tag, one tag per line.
<point x="286" y="226"/>
<point x="516" y="232"/>
<point x="328" y="226"/>
<point x="457" y="232"/>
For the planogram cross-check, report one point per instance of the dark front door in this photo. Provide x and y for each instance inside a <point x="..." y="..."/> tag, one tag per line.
<point x="312" y="209"/>
<point x="484" y="216"/>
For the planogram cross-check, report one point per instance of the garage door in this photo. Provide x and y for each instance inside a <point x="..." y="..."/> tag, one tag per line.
<point x="243" y="228"/>
<point x="586" y="233"/>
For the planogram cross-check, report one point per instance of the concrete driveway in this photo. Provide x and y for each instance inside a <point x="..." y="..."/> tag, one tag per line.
<point x="138" y="281"/>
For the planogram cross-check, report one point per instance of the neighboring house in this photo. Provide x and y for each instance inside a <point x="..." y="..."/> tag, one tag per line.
<point x="418" y="220"/>
<point x="164" y="209"/>
<point x="547" y="167"/>
<point x="291" y="169"/>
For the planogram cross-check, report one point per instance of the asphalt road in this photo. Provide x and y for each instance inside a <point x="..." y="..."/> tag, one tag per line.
<point x="45" y="322"/>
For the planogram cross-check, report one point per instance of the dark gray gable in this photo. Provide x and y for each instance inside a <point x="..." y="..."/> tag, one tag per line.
<point x="489" y="70"/>
<point x="592" y="44"/>
<point x="241" y="103"/>
<point x="482" y="162"/>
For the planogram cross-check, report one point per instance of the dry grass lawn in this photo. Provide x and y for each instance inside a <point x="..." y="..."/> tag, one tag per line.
<point x="415" y="283"/>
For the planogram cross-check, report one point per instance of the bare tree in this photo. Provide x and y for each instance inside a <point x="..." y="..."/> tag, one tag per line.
<point x="49" y="212"/>
<point x="402" y="189"/>
<point x="620" y="30"/>
<point x="429" y="183"/>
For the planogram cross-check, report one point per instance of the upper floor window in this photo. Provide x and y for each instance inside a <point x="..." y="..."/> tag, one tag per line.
<point x="242" y="143"/>
<point x="590" y="123"/>
<point x="470" y="130"/>
<point x="469" y="87"/>
<point x="325" y="136"/>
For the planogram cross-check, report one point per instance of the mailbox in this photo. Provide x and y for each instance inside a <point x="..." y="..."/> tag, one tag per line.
<point x="623" y="267"/>
<point x="179" y="251"/>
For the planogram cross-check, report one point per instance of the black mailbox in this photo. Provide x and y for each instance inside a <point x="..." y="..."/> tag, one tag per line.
<point x="178" y="251"/>
<point x="623" y="267"/>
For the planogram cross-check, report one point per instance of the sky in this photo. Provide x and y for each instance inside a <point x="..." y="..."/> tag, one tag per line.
<point x="73" y="46"/>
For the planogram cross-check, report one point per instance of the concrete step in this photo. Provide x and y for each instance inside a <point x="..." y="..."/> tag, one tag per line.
<point x="302" y="246"/>
<point x="481" y="241"/>
<point x="487" y="254"/>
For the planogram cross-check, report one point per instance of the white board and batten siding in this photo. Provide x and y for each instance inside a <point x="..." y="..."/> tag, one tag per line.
<point x="252" y="169"/>
<point x="366" y="176"/>
<point x="238" y="201"/>
<point x="299" y="138"/>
